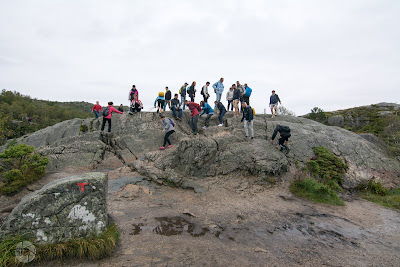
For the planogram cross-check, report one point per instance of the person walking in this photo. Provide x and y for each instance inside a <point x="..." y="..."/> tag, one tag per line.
<point x="182" y="92"/>
<point x="133" y="91"/>
<point x="192" y="91"/>
<point x="219" y="88"/>
<point x="136" y="105"/>
<point x="221" y="111"/>
<point x="160" y="102"/>
<point x="176" y="107"/>
<point x="96" y="109"/>
<point x="229" y="97"/>
<point x="169" y="128"/>
<point x="168" y="96"/>
<point x="273" y="103"/>
<point x="107" y="112"/>
<point x="247" y="94"/>
<point x="209" y="111"/>
<point x="204" y="92"/>
<point x="194" y="115"/>
<point x="284" y="132"/>
<point x="248" y="117"/>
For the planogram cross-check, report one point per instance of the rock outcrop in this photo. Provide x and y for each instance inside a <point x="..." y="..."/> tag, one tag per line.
<point x="72" y="207"/>
<point x="135" y="140"/>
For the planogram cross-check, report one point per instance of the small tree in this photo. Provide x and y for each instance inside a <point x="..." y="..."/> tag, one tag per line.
<point x="317" y="114"/>
<point x="284" y="111"/>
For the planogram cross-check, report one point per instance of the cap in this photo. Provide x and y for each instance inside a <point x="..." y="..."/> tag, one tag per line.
<point x="186" y="83"/>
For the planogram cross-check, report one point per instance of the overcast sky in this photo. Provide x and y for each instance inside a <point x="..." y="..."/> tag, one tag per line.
<point x="331" y="54"/>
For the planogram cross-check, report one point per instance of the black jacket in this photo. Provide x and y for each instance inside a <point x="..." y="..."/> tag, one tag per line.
<point x="284" y="131"/>
<point x="175" y="103"/>
<point x="221" y="107"/>
<point x="248" y="114"/>
<point x="168" y="95"/>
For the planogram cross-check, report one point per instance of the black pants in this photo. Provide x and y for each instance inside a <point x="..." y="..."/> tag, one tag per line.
<point x="166" y="138"/>
<point x="192" y="98"/>
<point x="193" y="123"/>
<point x="282" y="140"/>
<point x="205" y="97"/>
<point x="136" y="108"/>
<point x="230" y="103"/>
<point x="207" y="121"/>
<point x="246" y="99"/>
<point x="104" y="124"/>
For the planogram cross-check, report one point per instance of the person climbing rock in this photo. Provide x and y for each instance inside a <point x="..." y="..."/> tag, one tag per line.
<point x="176" y="107"/>
<point x="248" y="117"/>
<point x="209" y="111"/>
<point x="160" y="102"/>
<point x="284" y="132"/>
<point x="107" y="112"/>
<point x="221" y="111"/>
<point x="169" y="128"/>
<point x="194" y="115"/>
<point x="96" y="109"/>
<point x="273" y="103"/>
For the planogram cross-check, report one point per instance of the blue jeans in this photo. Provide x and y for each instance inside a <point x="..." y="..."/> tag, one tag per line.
<point x="179" y="111"/>
<point x="183" y="98"/>
<point x="219" y="97"/>
<point x="221" y="117"/>
<point x="96" y="113"/>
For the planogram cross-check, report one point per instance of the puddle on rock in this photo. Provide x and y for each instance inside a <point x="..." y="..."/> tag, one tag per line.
<point x="176" y="226"/>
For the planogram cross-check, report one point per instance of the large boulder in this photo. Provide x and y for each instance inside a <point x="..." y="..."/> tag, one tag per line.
<point x="73" y="207"/>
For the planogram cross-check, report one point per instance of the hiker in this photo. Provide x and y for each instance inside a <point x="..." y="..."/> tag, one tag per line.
<point x="121" y="108"/>
<point x="107" y="112"/>
<point x="248" y="116"/>
<point x="192" y="91"/>
<point x="273" y="103"/>
<point x="168" y="96"/>
<point x="241" y="90"/>
<point x="160" y="102"/>
<point x="218" y="89"/>
<point x="169" y="128"/>
<point x="235" y="101"/>
<point x="96" y="109"/>
<point x="247" y="94"/>
<point x="208" y="110"/>
<point x="284" y="132"/>
<point x="133" y="91"/>
<point x="136" y="105"/>
<point x="221" y="111"/>
<point x="229" y="97"/>
<point x="176" y="107"/>
<point x="204" y="92"/>
<point x="194" y="115"/>
<point x="182" y="92"/>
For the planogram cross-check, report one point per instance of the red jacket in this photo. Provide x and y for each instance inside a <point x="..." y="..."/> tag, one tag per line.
<point x="110" y="111"/>
<point x="193" y="107"/>
<point x="97" y="107"/>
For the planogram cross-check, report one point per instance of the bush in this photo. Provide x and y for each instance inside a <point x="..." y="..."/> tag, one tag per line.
<point x="21" y="166"/>
<point x="377" y="193"/>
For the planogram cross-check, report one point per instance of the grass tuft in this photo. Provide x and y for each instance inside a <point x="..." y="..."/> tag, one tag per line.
<point x="377" y="193"/>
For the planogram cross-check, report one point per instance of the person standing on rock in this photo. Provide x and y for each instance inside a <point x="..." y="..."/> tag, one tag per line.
<point x="194" y="115"/>
<point x="235" y="102"/>
<point x="221" y="110"/>
<point x="284" y="132"/>
<point x="273" y="103"/>
<point x="229" y="97"/>
<point x="247" y="94"/>
<point x="168" y="96"/>
<point x="96" y="109"/>
<point x="209" y="111"/>
<point x="133" y="92"/>
<point x="176" y="107"/>
<point x="169" y="128"/>
<point x="192" y="91"/>
<point x="218" y="89"/>
<point x="107" y="112"/>
<point x="204" y="92"/>
<point x="248" y="117"/>
<point x="182" y="92"/>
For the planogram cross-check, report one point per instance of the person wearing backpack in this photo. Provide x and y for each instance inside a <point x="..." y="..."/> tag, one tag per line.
<point x="194" y="115"/>
<point x="204" y="92"/>
<point x="229" y="97"/>
<point x="160" y="102"/>
<point x="169" y="128"/>
<point x="133" y="92"/>
<point x="221" y="110"/>
<point x="168" y="97"/>
<point x="96" y="109"/>
<point x="247" y="94"/>
<point x="107" y="112"/>
<point x="284" y="132"/>
<point x="219" y="88"/>
<point x="209" y="111"/>
<point x="273" y="103"/>
<point x="176" y="107"/>
<point x="136" y="105"/>
<point x="248" y="117"/>
<point x="182" y="92"/>
<point x="192" y="91"/>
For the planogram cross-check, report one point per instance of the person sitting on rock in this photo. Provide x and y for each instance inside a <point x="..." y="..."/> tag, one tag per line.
<point x="248" y="116"/>
<point x="209" y="111"/>
<point x="136" y="105"/>
<point x="284" y="132"/>
<point x="194" y="115"/>
<point x="221" y="111"/>
<point x="96" y="109"/>
<point x="176" y="107"/>
<point x="160" y="101"/>
<point x="169" y="128"/>
<point x="121" y="108"/>
<point x="107" y="112"/>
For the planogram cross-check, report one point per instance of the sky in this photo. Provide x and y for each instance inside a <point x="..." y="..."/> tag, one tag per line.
<point x="332" y="54"/>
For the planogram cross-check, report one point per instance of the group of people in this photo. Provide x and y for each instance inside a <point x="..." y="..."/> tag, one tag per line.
<point x="238" y="95"/>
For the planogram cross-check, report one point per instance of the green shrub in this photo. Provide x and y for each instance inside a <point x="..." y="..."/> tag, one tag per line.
<point x="21" y="166"/>
<point x="83" y="128"/>
<point x="377" y="193"/>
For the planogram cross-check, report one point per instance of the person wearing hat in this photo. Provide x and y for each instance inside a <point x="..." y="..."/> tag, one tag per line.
<point x="107" y="116"/>
<point x="182" y="92"/>
<point x="273" y="103"/>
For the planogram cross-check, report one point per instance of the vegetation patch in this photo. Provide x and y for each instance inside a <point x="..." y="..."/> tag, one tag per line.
<point x="83" y="128"/>
<point x="20" y="166"/>
<point x="377" y="193"/>
<point x="92" y="248"/>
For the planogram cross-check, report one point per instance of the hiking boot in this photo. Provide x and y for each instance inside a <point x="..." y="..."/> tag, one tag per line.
<point x="162" y="148"/>
<point x="220" y="125"/>
<point x="169" y="146"/>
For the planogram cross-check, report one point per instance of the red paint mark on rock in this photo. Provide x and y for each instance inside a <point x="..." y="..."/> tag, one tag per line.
<point x="82" y="185"/>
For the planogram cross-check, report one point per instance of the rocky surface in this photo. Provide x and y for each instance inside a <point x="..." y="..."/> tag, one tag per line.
<point x="135" y="140"/>
<point x="71" y="207"/>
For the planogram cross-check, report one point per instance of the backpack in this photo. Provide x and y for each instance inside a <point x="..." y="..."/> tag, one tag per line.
<point x="198" y="108"/>
<point x="173" y="124"/>
<point x="248" y="92"/>
<point x="254" y="111"/>
<point x="106" y="111"/>
<point x="285" y="129"/>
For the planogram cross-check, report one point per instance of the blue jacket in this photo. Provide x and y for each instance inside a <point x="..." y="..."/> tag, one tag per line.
<point x="248" y="91"/>
<point x="158" y="98"/>
<point x="207" y="109"/>
<point x="218" y="87"/>
<point x="274" y="99"/>
<point x="247" y="114"/>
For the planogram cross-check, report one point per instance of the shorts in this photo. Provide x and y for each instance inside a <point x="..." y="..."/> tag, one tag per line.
<point x="273" y="105"/>
<point x="236" y="103"/>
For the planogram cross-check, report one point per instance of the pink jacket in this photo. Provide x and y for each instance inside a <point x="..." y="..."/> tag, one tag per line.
<point x="110" y="111"/>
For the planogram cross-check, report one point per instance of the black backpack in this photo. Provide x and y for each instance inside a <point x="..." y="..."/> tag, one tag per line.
<point x="106" y="111"/>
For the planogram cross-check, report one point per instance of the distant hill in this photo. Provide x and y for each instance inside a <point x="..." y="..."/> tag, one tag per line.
<point x="20" y="114"/>
<point x="379" y="123"/>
